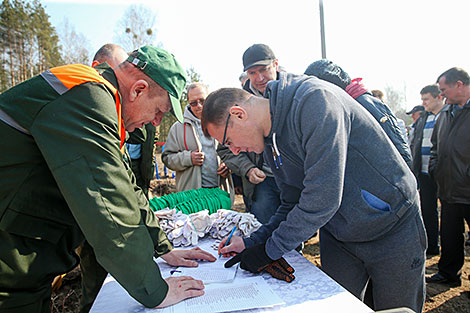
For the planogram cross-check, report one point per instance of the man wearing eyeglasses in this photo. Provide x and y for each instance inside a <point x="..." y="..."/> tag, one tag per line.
<point x="191" y="154"/>
<point x="361" y="196"/>
<point x="261" y="194"/>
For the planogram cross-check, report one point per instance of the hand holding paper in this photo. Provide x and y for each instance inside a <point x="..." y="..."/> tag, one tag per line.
<point x="182" y="257"/>
<point x="181" y="288"/>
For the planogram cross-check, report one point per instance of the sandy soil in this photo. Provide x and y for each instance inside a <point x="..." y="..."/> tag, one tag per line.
<point x="439" y="298"/>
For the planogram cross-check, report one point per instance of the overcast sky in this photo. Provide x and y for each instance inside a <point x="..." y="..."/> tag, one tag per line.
<point x="402" y="44"/>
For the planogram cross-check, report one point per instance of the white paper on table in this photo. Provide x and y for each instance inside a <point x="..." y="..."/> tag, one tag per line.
<point x="248" y="293"/>
<point x="209" y="272"/>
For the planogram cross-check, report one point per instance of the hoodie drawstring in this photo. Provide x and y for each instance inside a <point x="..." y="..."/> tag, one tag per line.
<point x="276" y="154"/>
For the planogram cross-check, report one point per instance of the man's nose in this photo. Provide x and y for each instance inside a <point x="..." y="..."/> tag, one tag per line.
<point x="158" y="119"/>
<point x="259" y="76"/>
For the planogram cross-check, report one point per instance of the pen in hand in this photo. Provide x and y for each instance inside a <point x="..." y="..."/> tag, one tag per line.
<point x="228" y="239"/>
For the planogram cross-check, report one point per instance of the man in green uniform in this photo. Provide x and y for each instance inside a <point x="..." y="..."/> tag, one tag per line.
<point x="63" y="178"/>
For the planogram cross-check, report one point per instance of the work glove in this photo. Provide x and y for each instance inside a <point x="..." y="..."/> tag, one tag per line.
<point x="252" y="259"/>
<point x="281" y="270"/>
<point x="256" y="260"/>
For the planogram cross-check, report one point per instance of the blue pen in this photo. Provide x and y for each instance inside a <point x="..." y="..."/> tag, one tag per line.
<point x="228" y="239"/>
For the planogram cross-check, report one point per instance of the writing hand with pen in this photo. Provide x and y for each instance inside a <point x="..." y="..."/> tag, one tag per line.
<point x="255" y="259"/>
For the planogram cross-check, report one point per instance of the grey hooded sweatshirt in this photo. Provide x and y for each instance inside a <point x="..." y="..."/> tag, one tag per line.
<point x="335" y="167"/>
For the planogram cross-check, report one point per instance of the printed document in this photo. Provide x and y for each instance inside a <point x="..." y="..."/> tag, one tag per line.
<point x="209" y="272"/>
<point x="243" y="294"/>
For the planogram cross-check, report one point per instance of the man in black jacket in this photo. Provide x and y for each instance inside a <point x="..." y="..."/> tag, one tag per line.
<point x="450" y="166"/>
<point x="261" y="194"/>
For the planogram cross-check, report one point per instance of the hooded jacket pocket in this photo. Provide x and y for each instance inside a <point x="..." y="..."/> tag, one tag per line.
<point x="375" y="202"/>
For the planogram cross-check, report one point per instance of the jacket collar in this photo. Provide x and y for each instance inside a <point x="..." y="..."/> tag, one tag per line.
<point x="107" y="72"/>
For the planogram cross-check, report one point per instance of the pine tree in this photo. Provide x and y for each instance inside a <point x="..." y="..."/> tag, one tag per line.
<point x="28" y="42"/>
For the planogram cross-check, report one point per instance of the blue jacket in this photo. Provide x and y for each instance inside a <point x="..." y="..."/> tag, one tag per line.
<point x="381" y="112"/>
<point x="337" y="169"/>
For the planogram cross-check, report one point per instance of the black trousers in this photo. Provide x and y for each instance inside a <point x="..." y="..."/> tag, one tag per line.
<point x="428" y="197"/>
<point x="452" y="238"/>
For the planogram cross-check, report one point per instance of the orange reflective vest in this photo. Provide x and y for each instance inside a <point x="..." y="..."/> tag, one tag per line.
<point x="63" y="78"/>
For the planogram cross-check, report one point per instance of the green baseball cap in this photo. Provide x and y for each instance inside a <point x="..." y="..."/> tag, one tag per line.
<point x="162" y="67"/>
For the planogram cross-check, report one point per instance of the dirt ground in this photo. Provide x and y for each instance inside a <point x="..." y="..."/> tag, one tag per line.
<point x="439" y="298"/>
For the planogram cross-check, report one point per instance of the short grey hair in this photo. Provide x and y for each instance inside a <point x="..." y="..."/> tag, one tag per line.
<point x="196" y="85"/>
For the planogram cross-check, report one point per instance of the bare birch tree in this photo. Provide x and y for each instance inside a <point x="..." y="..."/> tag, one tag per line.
<point x="136" y="28"/>
<point x="74" y="46"/>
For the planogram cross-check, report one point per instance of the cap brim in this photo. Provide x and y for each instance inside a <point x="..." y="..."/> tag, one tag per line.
<point x="261" y="62"/>
<point x="176" y="108"/>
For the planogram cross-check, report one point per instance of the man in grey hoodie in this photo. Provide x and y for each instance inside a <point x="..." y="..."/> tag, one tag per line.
<point x="337" y="172"/>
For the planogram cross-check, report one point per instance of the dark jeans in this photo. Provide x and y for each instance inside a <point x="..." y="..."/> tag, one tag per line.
<point x="428" y="197"/>
<point x="452" y="238"/>
<point x="267" y="200"/>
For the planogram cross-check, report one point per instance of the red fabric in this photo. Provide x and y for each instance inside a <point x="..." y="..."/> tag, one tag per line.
<point x="356" y="88"/>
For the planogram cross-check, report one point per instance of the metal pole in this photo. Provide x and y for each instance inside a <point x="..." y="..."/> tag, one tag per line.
<point x="322" y="31"/>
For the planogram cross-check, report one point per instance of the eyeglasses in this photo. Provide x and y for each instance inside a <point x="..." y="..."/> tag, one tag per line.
<point x="196" y="102"/>
<point x="225" y="131"/>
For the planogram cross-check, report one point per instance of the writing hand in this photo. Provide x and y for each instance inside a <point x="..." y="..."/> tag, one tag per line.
<point x="235" y="246"/>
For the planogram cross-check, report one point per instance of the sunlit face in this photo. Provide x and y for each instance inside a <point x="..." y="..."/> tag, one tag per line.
<point x="430" y="103"/>
<point x="196" y="98"/>
<point x="260" y="75"/>
<point x="450" y="92"/>
<point x="240" y="134"/>
<point x="145" y="109"/>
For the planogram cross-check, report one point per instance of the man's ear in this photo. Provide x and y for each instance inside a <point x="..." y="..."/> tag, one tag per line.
<point x="138" y="88"/>
<point x="95" y="63"/>
<point x="276" y="64"/>
<point x="238" y="112"/>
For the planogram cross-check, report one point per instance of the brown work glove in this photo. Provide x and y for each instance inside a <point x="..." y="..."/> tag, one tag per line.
<point x="255" y="260"/>
<point x="281" y="270"/>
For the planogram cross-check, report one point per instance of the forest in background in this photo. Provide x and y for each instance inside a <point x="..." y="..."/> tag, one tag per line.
<point x="30" y="44"/>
